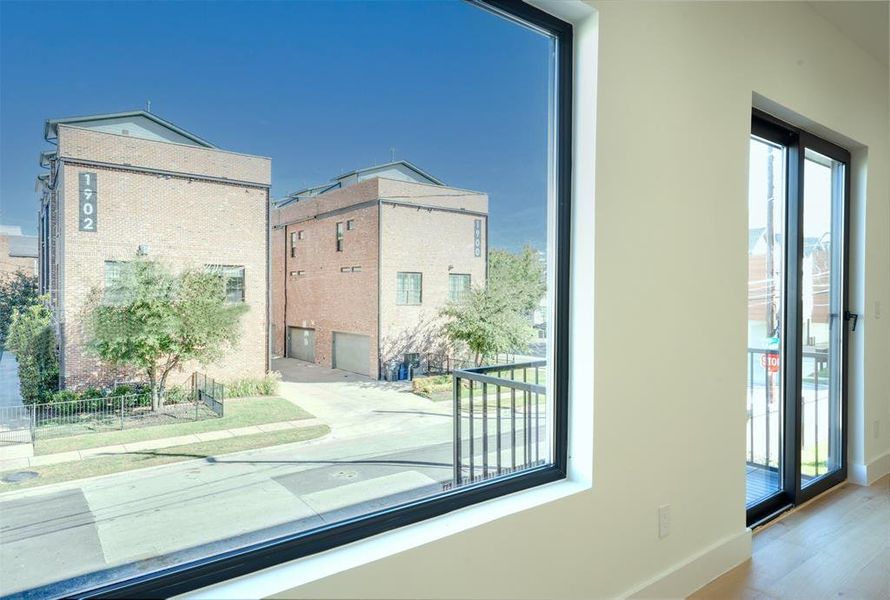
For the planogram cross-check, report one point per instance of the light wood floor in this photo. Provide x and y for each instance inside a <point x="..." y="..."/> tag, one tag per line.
<point x="837" y="546"/>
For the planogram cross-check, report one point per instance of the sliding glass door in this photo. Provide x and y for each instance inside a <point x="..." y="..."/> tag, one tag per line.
<point x="797" y="322"/>
<point x="822" y="287"/>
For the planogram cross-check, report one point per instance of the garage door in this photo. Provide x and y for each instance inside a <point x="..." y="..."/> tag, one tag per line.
<point x="301" y="343"/>
<point x="351" y="352"/>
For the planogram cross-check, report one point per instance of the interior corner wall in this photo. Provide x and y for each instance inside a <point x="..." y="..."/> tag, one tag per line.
<point x="675" y="86"/>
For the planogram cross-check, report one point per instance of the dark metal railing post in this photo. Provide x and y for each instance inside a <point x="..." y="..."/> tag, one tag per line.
<point x="537" y="420"/>
<point x="472" y="447"/>
<point x="122" y="412"/>
<point x="484" y="430"/>
<point x="513" y="421"/>
<point x="525" y="432"/>
<point x="498" y="391"/>
<point x="455" y="383"/>
<point x="766" y="395"/>
<point x="816" y="415"/>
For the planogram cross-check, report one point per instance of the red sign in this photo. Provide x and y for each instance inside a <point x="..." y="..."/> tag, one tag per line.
<point x="772" y="360"/>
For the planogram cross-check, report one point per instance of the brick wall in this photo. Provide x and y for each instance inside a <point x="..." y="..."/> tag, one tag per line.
<point x="11" y="264"/>
<point x="325" y="298"/>
<point x="436" y="244"/>
<point x="415" y="238"/>
<point x="75" y="142"/>
<point x="186" y="223"/>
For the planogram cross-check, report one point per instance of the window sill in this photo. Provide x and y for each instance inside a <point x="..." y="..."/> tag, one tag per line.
<point x="280" y="578"/>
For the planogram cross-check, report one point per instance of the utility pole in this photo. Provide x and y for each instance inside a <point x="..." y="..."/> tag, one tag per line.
<point x="771" y="240"/>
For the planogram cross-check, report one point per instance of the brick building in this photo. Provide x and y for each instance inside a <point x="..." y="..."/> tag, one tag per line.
<point x="130" y="184"/>
<point x="18" y="252"/>
<point x="361" y="266"/>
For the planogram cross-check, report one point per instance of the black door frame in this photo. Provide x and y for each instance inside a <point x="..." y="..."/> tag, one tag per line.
<point x="796" y="141"/>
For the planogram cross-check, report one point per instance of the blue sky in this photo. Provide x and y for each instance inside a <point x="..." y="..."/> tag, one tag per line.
<point x="320" y="87"/>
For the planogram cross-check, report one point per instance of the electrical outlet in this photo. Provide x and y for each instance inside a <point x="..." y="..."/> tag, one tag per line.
<point x="664" y="521"/>
<point x="876" y="428"/>
<point x="877" y="309"/>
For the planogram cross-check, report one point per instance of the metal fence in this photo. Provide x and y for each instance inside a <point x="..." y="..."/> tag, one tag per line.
<point x="208" y="391"/>
<point x="764" y="424"/>
<point x="27" y="424"/>
<point x="499" y="420"/>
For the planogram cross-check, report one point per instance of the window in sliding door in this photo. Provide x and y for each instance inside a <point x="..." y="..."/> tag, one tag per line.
<point x="766" y="268"/>
<point x="822" y="311"/>
<point x="797" y="317"/>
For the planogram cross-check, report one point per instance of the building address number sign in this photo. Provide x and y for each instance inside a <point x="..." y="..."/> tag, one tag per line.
<point x="89" y="213"/>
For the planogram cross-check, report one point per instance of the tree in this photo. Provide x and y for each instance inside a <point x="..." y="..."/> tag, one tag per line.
<point x="32" y="338"/>
<point x="496" y="318"/>
<point x="155" y="321"/>
<point x="518" y="276"/>
<point x="18" y="291"/>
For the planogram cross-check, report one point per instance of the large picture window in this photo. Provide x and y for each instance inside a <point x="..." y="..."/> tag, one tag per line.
<point x="184" y="441"/>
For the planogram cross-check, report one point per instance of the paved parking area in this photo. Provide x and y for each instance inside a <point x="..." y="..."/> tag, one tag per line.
<point x="358" y="406"/>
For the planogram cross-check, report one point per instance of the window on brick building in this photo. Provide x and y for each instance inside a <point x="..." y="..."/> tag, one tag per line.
<point x="458" y="286"/>
<point x="339" y="237"/>
<point x="293" y="244"/>
<point x="350" y="225"/>
<point x="409" y="288"/>
<point x="114" y="269"/>
<point x="234" y="281"/>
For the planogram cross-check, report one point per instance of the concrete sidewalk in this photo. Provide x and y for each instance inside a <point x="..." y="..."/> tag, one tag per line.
<point x="75" y="455"/>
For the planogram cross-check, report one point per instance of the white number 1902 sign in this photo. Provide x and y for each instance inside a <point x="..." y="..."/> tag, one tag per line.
<point x="89" y="213"/>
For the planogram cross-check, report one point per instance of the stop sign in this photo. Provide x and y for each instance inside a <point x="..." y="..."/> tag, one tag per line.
<point x="770" y="361"/>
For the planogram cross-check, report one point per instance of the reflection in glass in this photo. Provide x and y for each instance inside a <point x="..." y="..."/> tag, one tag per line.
<point x="766" y="259"/>
<point x="822" y="325"/>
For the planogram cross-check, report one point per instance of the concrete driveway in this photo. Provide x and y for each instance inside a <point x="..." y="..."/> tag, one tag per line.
<point x="358" y="406"/>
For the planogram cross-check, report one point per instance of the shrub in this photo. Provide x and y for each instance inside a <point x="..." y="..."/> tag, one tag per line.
<point x="253" y="386"/>
<point x="426" y="386"/>
<point x="177" y="394"/>
<point x="91" y="393"/>
<point x="64" y="396"/>
<point x="33" y="340"/>
<point x="141" y="394"/>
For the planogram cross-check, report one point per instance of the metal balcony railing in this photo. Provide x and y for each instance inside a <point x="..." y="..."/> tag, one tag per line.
<point x="764" y="424"/>
<point x="499" y="420"/>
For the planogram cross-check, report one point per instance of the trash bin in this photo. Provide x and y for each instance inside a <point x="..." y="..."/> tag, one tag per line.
<point x="403" y="372"/>
<point x="391" y="372"/>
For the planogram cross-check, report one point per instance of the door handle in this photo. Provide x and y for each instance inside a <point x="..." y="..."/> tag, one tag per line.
<point x="851" y="316"/>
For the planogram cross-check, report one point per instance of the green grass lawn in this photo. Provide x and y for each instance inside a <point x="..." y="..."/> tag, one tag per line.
<point x="106" y="465"/>
<point x="240" y="412"/>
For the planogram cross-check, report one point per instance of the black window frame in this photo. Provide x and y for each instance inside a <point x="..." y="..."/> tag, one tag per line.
<point x="340" y="228"/>
<point x="193" y="574"/>
<point x="795" y="141"/>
